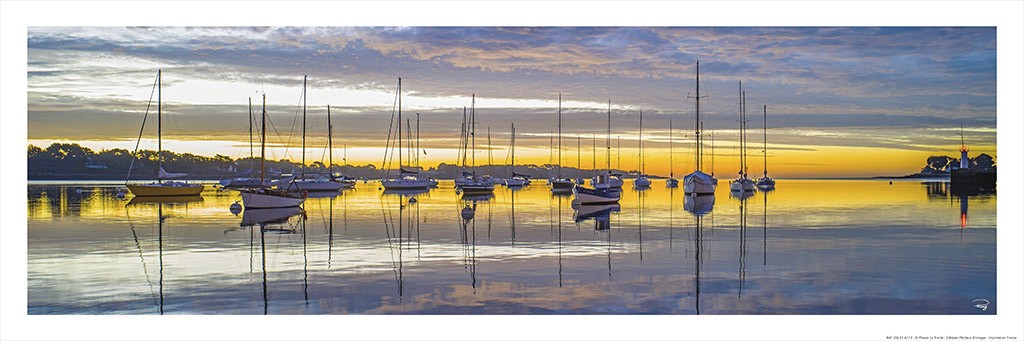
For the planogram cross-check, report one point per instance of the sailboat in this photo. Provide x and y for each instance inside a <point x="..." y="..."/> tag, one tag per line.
<point x="742" y="183"/>
<point x="244" y="182"/>
<point x="558" y="183"/>
<point x="475" y="184"/>
<point x="324" y="183"/>
<point x="163" y="186"/>
<point x="344" y="181"/>
<point x="407" y="179"/>
<point x="602" y="191"/>
<point x="263" y="197"/>
<point x="671" y="182"/>
<point x="765" y="183"/>
<point x="641" y="181"/>
<point x="699" y="182"/>
<point x="614" y="180"/>
<point x="517" y="180"/>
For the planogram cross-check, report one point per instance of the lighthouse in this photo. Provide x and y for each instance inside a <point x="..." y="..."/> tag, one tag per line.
<point x="964" y="161"/>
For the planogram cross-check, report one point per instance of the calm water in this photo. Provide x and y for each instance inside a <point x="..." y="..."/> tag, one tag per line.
<point x="809" y="247"/>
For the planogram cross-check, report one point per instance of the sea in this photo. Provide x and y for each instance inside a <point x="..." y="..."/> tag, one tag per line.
<point x="807" y="247"/>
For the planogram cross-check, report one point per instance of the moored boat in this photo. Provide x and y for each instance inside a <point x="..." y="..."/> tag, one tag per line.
<point x="163" y="186"/>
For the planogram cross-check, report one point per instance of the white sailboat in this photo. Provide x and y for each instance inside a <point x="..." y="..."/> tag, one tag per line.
<point x="163" y="186"/>
<point x="699" y="182"/>
<point x="406" y="179"/>
<point x="742" y="182"/>
<point x="766" y="182"/>
<point x="613" y="180"/>
<point x="517" y="180"/>
<point x="475" y="184"/>
<point x="263" y="197"/>
<point x="320" y="183"/>
<point x="671" y="182"/>
<point x="558" y="183"/>
<point x="250" y="181"/>
<point x="641" y="182"/>
<point x="602" y="191"/>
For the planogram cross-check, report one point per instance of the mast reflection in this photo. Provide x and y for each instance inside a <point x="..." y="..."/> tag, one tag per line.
<point x="270" y="220"/>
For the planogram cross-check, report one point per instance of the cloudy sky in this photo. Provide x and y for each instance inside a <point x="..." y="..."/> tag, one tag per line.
<point x="840" y="101"/>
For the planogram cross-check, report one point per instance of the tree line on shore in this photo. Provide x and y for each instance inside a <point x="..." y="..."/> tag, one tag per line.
<point x="71" y="161"/>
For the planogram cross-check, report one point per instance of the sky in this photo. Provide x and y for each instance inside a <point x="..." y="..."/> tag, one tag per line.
<point x="839" y="101"/>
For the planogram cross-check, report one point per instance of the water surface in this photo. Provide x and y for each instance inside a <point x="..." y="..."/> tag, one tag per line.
<point x="808" y="247"/>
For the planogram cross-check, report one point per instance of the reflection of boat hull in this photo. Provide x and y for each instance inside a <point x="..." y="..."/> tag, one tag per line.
<point x="741" y="194"/>
<point x="269" y="216"/>
<point x="585" y="212"/>
<point x="264" y="198"/>
<point x="699" y="183"/>
<point x="405" y="184"/>
<point x="165" y="200"/>
<point x="412" y="191"/>
<point x="478" y="196"/>
<point x="165" y="189"/>
<point x="595" y="196"/>
<point x="323" y="194"/>
<point x="699" y="204"/>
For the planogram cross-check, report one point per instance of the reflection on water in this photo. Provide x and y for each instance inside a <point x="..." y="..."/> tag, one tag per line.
<point x="837" y="247"/>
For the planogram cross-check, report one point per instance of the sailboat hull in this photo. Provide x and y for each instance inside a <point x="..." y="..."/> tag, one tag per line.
<point x="256" y="199"/>
<point x="699" y="183"/>
<point x="743" y="185"/>
<point x="318" y="186"/>
<point x="477" y="187"/>
<point x="591" y="196"/>
<point x="766" y="183"/>
<point x="561" y="184"/>
<point x="642" y="182"/>
<point x="240" y="183"/>
<point x="165" y="190"/>
<point x="671" y="183"/>
<point x="395" y="184"/>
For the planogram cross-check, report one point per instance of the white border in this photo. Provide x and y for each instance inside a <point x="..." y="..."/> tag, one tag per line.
<point x="1007" y="16"/>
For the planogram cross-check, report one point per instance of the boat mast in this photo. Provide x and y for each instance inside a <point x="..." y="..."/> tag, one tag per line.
<point x="251" y="154"/>
<point x="740" y="94"/>
<point x="399" y="127"/>
<point x="417" y="139"/>
<point x="671" y="165"/>
<point x="159" y="123"/>
<point x="472" y="134"/>
<point x="608" y="140"/>
<point x="263" y="139"/>
<point x="513" y="166"/>
<point x="764" y="150"/>
<point x="490" y="151"/>
<point x="579" y="167"/>
<point x="640" y="158"/>
<point x="559" y="135"/>
<point x="330" y="145"/>
<point x="303" y="126"/>
<point x="696" y="122"/>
